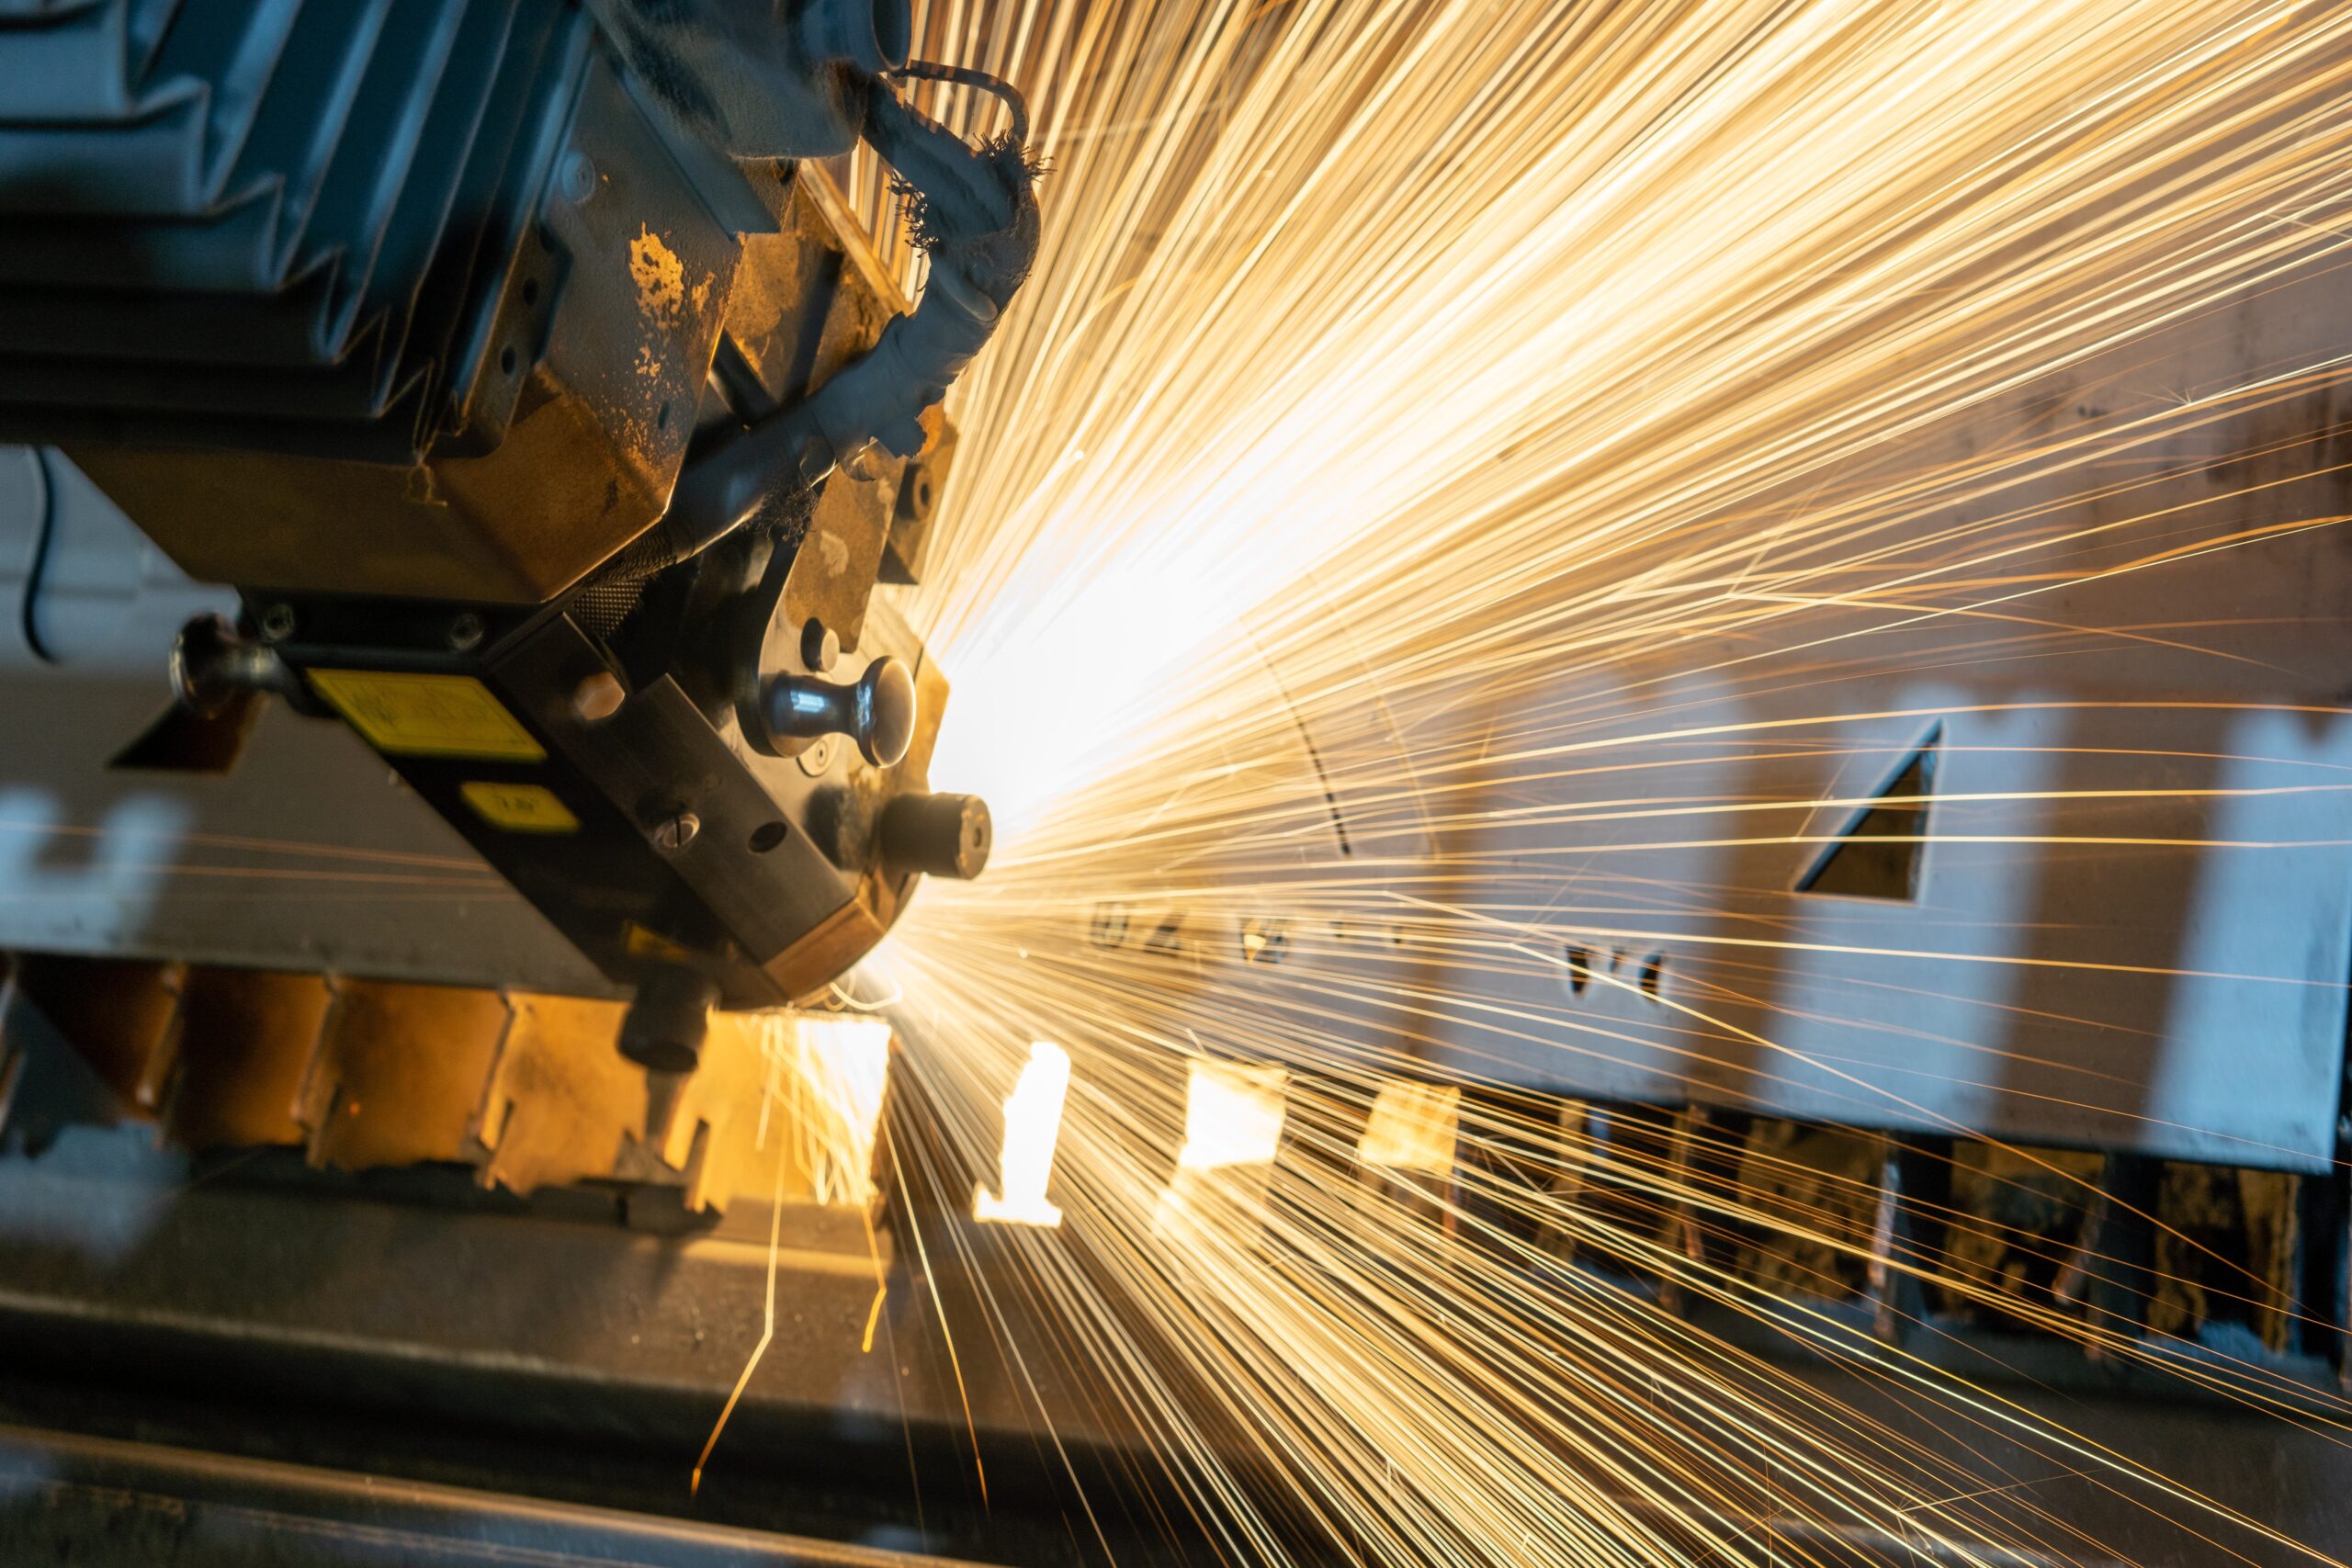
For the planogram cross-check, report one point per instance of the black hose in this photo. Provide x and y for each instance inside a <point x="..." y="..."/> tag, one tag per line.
<point x="965" y="75"/>
<point x="46" y="530"/>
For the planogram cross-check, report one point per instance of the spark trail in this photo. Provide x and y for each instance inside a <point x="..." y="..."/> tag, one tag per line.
<point x="1434" y="435"/>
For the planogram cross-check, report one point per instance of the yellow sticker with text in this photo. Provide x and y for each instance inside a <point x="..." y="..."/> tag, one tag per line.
<point x="426" y="716"/>
<point x="519" y="807"/>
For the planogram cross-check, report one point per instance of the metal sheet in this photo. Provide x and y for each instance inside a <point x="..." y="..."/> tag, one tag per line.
<point x="2132" y="923"/>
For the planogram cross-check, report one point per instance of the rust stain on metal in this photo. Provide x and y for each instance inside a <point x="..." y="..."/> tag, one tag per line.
<point x="659" y="277"/>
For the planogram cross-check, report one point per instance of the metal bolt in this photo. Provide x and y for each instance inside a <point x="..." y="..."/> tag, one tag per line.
<point x="577" y="178"/>
<point x="598" y="697"/>
<point x="675" y="832"/>
<point x="465" y="631"/>
<point x="277" y="623"/>
<point x="821" y="646"/>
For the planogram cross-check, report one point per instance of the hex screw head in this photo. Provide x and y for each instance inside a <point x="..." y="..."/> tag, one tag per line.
<point x="276" y="622"/>
<point x="465" y="631"/>
<point x="577" y="178"/>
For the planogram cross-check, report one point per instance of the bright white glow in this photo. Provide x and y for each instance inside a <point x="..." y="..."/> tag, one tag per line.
<point x="1233" y="1126"/>
<point x="1412" y="1127"/>
<point x="1233" y="1115"/>
<point x="1033" y="1122"/>
<point x="1052" y="703"/>
<point x="838" y="1067"/>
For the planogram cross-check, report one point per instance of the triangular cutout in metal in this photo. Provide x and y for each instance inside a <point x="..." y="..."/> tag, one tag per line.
<point x="1878" y="853"/>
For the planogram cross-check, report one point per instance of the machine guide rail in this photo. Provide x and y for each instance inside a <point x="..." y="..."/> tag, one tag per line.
<point x="426" y="1320"/>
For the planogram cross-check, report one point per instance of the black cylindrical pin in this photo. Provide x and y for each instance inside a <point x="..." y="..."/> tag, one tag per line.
<point x="939" y="835"/>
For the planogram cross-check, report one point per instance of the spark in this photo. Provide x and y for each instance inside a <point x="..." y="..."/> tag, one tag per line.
<point x="767" y="1323"/>
<point x="1446" y="449"/>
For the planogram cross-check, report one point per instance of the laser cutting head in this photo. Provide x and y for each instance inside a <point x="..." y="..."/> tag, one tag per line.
<point x="586" y="508"/>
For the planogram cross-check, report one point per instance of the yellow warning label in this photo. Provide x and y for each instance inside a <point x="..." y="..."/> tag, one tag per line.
<point x="426" y="716"/>
<point x="519" y="807"/>
<point x="643" y="943"/>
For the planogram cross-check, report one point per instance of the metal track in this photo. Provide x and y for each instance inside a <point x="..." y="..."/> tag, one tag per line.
<point x="68" y="1498"/>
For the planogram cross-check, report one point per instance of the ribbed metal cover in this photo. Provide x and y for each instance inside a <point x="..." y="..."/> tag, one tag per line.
<point x="265" y="223"/>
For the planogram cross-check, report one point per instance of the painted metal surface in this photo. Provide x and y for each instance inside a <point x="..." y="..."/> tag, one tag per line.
<point x="2130" y="924"/>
